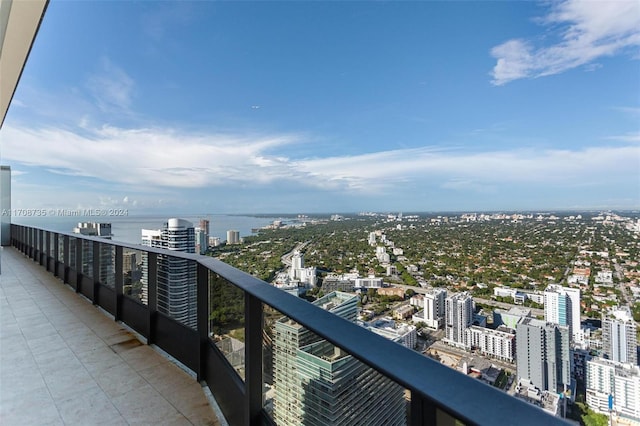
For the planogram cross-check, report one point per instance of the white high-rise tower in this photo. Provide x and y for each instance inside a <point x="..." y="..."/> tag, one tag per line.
<point x="619" y="341"/>
<point x="176" y="276"/>
<point x="562" y="307"/>
<point x="458" y="316"/>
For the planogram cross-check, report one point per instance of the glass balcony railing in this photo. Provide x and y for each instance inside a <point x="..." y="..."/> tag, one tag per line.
<point x="267" y="356"/>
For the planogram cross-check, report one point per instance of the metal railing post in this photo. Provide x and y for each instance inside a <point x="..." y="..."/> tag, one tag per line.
<point x="152" y="291"/>
<point x="78" y="268"/>
<point x="202" y="315"/>
<point x="119" y="282"/>
<point x="253" y="360"/>
<point x="56" y="254"/>
<point x="96" y="271"/>
<point x="47" y="250"/>
<point x="65" y="264"/>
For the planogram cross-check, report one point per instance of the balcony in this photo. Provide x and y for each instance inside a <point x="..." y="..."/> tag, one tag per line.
<point x="64" y="361"/>
<point x="229" y="349"/>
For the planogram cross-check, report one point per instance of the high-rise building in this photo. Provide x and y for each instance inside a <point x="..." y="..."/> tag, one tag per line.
<point x="202" y="241"/>
<point x="204" y="225"/>
<point x="107" y="264"/>
<point x="298" y="272"/>
<point x="297" y="263"/>
<point x="543" y="355"/>
<point x="372" y="238"/>
<point x="434" y="307"/>
<point x="233" y="237"/>
<point x="562" y="307"/>
<point x="176" y="276"/>
<point x="619" y="382"/>
<point x="202" y="237"/>
<point x="458" y="316"/>
<point x="619" y="338"/>
<point x="316" y="383"/>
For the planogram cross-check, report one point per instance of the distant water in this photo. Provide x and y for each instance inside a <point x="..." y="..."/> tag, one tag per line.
<point x="127" y="228"/>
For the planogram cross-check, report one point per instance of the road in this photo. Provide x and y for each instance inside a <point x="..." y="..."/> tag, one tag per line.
<point x="286" y="259"/>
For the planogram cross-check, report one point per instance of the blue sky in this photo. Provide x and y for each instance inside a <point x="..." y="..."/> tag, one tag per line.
<point x="253" y="107"/>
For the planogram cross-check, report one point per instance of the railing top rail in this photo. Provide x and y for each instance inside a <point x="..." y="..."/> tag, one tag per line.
<point x="468" y="400"/>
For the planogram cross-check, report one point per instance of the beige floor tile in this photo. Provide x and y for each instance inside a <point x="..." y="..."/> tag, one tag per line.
<point x="92" y="407"/>
<point x="119" y="379"/>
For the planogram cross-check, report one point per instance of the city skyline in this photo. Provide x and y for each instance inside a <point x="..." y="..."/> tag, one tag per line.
<point x="320" y="107"/>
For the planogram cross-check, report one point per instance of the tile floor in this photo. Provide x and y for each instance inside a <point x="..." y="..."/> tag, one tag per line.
<point x="64" y="361"/>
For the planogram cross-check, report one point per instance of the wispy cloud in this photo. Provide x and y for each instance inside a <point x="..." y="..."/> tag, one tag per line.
<point x="111" y="87"/>
<point x="149" y="156"/>
<point x="587" y="30"/>
<point x="632" y="111"/>
<point x="519" y="166"/>
<point x="166" y="158"/>
<point x="628" y="137"/>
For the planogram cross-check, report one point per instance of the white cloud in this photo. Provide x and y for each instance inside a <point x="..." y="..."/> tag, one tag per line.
<point x="546" y="167"/>
<point x="628" y="137"/>
<point x="150" y="156"/>
<point x="587" y="30"/>
<point x="157" y="159"/>
<point x="111" y="87"/>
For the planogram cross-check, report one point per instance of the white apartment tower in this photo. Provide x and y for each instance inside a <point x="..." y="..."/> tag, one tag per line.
<point x="434" y="308"/>
<point x="619" y="341"/>
<point x="297" y="263"/>
<point x="458" y="317"/>
<point x="617" y="381"/>
<point x="176" y="276"/>
<point x="562" y="307"/>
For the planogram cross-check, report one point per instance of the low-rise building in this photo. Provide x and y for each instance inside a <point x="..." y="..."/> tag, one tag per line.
<point x="548" y="401"/>
<point x="417" y="301"/>
<point x="403" y="334"/>
<point x="403" y="312"/>
<point x="369" y="282"/>
<point x="391" y="291"/>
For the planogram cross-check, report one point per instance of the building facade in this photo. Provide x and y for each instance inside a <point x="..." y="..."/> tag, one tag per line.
<point x="543" y="354"/>
<point x="499" y="343"/>
<point x="434" y="308"/>
<point x="562" y="307"/>
<point x="176" y="276"/>
<point x="458" y="317"/>
<point x="233" y="237"/>
<point x="315" y="383"/>
<point x="619" y="338"/>
<point x="616" y="382"/>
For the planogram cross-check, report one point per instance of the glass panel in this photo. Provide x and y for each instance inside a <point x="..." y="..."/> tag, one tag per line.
<point x="133" y="264"/>
<point x="107" y="265"/>
<point x="52" y="244"/>
<point x="60" y="248"/>
<point x="87" y="258"/>
<point x="177" y="289"/>
<point x="72" y="252"/>
<point x="226" y="320"/>
<point x="308" y="380"/>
